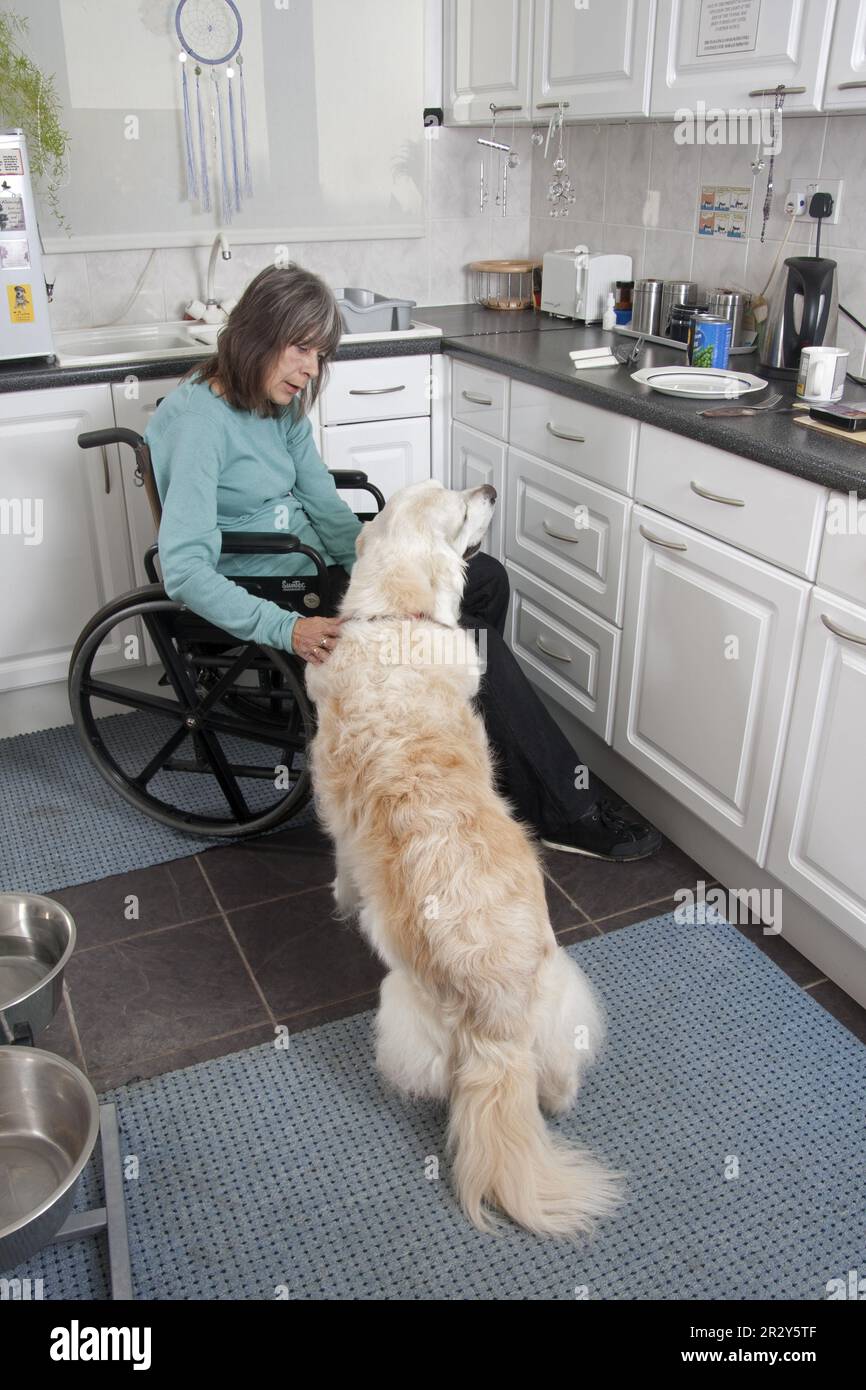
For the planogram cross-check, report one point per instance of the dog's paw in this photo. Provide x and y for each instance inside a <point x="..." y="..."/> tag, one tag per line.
<point x="346" y="900"/>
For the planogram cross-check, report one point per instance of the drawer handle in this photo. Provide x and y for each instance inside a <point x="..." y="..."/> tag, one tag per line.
<point x="476" y="400"/>
<point x="849" y="86"/>
<point x="547" y="652"/>
<point x="771" y="91"/>
<point x="563" y="434"/>
<point x="375" y="390"/>
<point x="714" y="496"/>
<point x="557" y="535"/>
<point x="657" y="540"/>
<point x="840" y="631"/>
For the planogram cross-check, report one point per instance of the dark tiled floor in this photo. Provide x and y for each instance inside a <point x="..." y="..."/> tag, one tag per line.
<point x="209" y="955"/>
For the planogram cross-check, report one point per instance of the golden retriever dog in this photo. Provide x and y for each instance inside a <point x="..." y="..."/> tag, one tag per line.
<point x="480" y="1009"/>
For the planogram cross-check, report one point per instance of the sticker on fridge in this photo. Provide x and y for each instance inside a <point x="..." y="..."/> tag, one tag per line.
<point x="12" y="214"/>
<point x="14" y="254"/>
<point x="20" y="303"/>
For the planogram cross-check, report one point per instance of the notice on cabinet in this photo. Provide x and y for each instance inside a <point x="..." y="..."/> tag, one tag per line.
<point x="727" y="26"/>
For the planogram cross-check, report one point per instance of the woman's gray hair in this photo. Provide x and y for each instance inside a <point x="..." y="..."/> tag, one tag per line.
<point x="283" y="306"/>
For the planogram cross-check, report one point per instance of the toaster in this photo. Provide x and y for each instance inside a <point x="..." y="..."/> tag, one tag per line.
<point x="575" y="283"/>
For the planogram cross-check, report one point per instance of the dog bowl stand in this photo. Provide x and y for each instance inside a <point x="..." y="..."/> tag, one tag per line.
<point x="112" y="1217"/>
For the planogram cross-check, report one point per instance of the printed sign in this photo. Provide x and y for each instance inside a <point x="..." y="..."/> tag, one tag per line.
<point x="14" y="255"/>
<point x="727" y="26"/>
<point x="11" y="162"/>
<point x="12" y="214"/>
<point x="20" y="303"/>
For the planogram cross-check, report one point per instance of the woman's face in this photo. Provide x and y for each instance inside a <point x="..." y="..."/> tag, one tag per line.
<point x="295" y="366"/>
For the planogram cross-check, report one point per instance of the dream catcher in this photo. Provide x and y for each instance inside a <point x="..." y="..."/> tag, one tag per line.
<point x="210" y="32"/>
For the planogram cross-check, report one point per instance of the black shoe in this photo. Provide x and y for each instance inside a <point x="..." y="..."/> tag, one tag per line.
<point x="604" y="832"/>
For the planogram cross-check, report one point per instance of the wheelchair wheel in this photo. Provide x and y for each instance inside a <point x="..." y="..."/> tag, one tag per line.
<point x="213" y="740"/>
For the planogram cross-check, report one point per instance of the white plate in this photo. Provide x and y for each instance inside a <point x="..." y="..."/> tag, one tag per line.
<point x="699" y="383"/>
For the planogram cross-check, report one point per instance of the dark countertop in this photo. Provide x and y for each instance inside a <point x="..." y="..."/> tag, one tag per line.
<point x="500" y="340"/>
<point x="534" y="347"/>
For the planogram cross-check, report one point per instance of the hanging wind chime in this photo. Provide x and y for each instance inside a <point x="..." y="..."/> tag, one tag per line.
<point x="210" y="32"/>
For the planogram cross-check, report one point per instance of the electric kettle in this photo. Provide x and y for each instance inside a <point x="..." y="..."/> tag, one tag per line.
<point x="803" y="312"/>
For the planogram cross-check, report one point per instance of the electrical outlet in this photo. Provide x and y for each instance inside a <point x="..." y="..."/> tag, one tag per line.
<point x="800" y="193"/>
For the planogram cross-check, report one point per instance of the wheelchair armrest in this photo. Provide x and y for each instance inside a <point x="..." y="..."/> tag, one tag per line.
<point x="266" y="543"/>
<point x="354" y="478"/>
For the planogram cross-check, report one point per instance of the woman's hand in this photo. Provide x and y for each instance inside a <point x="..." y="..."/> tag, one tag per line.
<point x="314" y="638"/>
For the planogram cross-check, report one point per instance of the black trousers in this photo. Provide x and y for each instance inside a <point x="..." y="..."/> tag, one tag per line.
<point x="536" y="766"/>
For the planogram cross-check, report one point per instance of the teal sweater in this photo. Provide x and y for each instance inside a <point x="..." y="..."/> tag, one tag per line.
<point x="222" y="470"/>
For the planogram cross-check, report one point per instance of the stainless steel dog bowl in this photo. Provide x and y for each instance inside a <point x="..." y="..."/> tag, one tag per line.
<point x="37" y="937"/>
<point x="49" y="1123"/>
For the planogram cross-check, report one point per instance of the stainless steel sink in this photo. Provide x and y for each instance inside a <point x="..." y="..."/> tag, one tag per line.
<point x="134" y="342"/>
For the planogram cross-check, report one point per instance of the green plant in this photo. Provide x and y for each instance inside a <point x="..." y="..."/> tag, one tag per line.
<point x="28" y="100"/>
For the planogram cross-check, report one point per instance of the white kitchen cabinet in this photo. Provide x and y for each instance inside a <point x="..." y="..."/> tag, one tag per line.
<point x="475" y="460"/>
<point x="845" y="88"/>
<point x="817" y="840"/>
<point x="597" y="58"/>
<point x="55" y="575"/>
<point x="563" y="648"/>
<point x="480" y="398"/>
<point x="709" y="653"/>
<point x="393" y="454"/>
<point x="842" y="566"/>
<point x="704" y="55"/>
<point x="486" y="58"/>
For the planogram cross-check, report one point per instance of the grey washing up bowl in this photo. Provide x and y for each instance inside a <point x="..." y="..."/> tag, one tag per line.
<point x="363" y="311"/>
<point x="49" y="1124"/>
<point x="37" y="937"/>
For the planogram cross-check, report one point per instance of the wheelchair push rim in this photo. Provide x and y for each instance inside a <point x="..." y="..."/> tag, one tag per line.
<point x="204" y="712"/>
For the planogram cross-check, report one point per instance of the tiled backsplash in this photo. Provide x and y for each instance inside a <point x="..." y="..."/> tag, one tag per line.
<point x="637" y="192"/>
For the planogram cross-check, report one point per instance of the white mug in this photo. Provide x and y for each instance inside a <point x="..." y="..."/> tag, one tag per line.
<point x="822" y="373"/>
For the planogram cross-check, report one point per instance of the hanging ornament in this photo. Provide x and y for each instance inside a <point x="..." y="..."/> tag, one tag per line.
<point x="210" y="32"/>
<point x="561" y="192"/>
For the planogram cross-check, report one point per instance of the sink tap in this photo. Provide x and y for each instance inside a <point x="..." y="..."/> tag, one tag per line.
<point x="220" y="243"/>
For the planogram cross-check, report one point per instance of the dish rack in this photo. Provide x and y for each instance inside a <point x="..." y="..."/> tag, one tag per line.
<point x="503" y="284"/>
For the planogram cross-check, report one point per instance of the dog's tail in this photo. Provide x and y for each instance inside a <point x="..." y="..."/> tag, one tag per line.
<point x="504" y="1154"/>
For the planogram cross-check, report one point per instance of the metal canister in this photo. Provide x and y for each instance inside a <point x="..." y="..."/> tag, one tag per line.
<point x="682" y="317"/>
<point x="728" y="304"/>
<point x="647" y="306"/>
<point x="709" y="341"/>
<point x="675" y="292"/>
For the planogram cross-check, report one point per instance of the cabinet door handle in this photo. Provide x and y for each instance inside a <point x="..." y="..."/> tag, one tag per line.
<point x="375" y="390"/>
<point x="546" y="105"/>
<point x="106" y="473"/>
<point x="715" y="497"/>
<point x="557" y="535"/>
<point x="476" y="400"/>
<point x="563" y="434"/>
<point x="657" y="540"/>
<point x="547" y="652"/>
<point x="771" y="91"/>
<point x="849" y="86"/>
<point x="840" y="631"/>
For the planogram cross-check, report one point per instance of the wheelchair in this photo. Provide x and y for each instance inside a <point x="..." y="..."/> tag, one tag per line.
<point x="190" y="725"/>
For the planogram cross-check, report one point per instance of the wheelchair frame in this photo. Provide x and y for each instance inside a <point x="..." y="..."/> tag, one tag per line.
<point x="204" y="667"/>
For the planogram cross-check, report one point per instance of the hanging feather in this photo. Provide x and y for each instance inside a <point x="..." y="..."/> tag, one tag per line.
<point x="223" y="163"/>
<point x="248" y="173"/>
<point x="234" y="139"/>
<point x="191" y="173"/>
<point x="205" y="181"/>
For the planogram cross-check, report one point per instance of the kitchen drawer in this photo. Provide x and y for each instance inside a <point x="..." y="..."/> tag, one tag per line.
<point x="595" y="443"/>
<point x="376" y="388"/>
<point x="759" y="509"/>
<point x="479" y="398"/>
<point x="567" y="531"/>
<point x="564" y="649"/>
<point x="842" y="566"/>
<point x="476" y="460"/>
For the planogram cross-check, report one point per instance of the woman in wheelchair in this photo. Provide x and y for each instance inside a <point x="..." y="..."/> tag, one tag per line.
<point x="232" y="452"/>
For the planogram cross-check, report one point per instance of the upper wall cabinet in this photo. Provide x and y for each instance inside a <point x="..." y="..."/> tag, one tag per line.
<point x="731" y="56"/>
<point x="487" y="58"/>
<point x="845" y="89"/>
<point x="597" y="58"/>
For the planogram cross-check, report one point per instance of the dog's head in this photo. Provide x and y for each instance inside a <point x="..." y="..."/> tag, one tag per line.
<point x="412" y="556"/>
